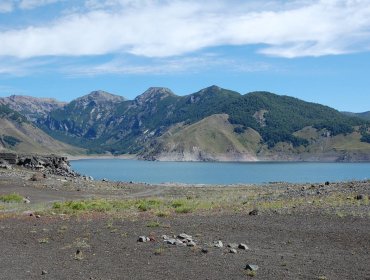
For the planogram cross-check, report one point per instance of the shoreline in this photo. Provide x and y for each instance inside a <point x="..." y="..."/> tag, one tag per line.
<point x="261" y="160"/>
<point x="103" y="156"/>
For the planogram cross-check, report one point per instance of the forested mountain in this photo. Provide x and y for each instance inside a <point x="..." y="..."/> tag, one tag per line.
<point x="364" y="115"/>
<point x="254" y="125"/>
<point x="20" y="135"/>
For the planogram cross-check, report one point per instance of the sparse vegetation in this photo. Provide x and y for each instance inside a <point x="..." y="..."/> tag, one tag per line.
<point x="11" y="198"/>
<point x="234" y="200"/>
<point x="43" y="240"/>
<point x="251" y="273"/>
<point x="153" y="224"/>
<point x="159" y="251"/>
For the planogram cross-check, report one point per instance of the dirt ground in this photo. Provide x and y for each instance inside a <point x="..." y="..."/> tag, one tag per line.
<point x="296" y="244"/>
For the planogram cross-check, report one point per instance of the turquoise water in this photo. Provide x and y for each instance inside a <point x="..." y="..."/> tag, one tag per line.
<point x="220" y="173"/>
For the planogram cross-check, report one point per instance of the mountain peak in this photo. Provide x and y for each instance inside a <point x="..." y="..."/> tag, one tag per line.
<point x="211" y="89"/>
<point x="154" y="92"/>
<point x="215" y="90"/>
<point x="100" y="96"/>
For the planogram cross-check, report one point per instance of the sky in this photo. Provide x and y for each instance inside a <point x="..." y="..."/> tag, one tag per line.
<point x="315" y="50"/>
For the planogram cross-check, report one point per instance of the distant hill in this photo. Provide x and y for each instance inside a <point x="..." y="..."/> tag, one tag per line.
<point x="211" y="124"/>
<point x="364" y="115"/>
<point x="20" y="135"/>
<point x="31" y="107"/>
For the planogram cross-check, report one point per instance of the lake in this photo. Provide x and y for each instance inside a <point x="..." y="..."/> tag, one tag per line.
<point x="220" y="172"/>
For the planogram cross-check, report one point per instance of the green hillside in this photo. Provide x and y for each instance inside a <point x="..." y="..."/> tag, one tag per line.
<point x="19" y="135"/>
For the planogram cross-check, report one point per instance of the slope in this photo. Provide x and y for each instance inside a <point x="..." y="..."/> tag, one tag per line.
<point x="19" y="135"/>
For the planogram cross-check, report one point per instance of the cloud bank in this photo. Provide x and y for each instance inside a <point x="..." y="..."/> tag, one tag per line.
<point x="160" y="28"/>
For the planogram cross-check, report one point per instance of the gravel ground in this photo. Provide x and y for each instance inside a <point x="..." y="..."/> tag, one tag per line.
<point x="288" y="243"/>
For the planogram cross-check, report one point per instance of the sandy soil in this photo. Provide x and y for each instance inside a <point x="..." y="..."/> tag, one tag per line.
<point x="286" y="243"/>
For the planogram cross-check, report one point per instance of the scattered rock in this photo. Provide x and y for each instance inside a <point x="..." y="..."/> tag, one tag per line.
<point x="179" y="243"/>
<point x="327" y="183"/>
<point x="37" y="177"/>
<point x="78" y="255"/>
<point x="170" y="241"/>
<point x="360" y="196"/>
<point x="251" y="267"/>
<point x="191" y="244"/>
<point x="205" y="250"/>
<point x="44" y="272"/>
<point x="28" y="213"/>
<point x="233" y="245"/>
<point x="185" y="236"/>
<point x="5" y="165"/>
<point x="254" y="212"/>
<point x="165" y="237"/>
<point x="26" y="200"/>
<point x="218" y="244"/>
<point x="143" y="239"/>
<point x="233" y="251"/>
<point x="243" y="246"/>
<point x="38" y="216"/>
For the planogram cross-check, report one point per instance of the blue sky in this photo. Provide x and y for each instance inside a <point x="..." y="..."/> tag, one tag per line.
<point x="317" y="50"/>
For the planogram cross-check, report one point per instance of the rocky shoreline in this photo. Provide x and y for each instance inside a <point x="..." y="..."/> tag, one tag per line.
<point x="51" y="164"/>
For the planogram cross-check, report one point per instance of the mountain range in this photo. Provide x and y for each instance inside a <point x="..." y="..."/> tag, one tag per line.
<point x="209" y="125"/>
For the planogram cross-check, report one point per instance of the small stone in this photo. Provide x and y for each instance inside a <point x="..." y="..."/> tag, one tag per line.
<point x="191" y="244"/>
<point x="26" y="200"/>
<point x="327" y="183"/>
<point x="44" y="272"/>
<point x="218" y="244"/>
<point x="251" y="267"/>
<point x="233" y="251"/>
<point x="233" y="245"/>
<point x="243" y="246"/>
<point x="170" y="241"/>
<point x="179" y="243"/>
<point x="28" y="213"/>
<point x="143" y="239"/>
<point x="254" y="212"/>
<point x="185" y="236"/>
<point x="38" y="216"/>
<point x="360" y="196"/>
<point x="205" y="250"/>
<point x="165" y="237"/>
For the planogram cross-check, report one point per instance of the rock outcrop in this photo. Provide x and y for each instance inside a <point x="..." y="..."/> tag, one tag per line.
<point x="51" y="164"/>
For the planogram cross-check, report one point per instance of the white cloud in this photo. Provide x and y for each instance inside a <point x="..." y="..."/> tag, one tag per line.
<point x="160" y="66"/>
<point x="24" y="67"/>
<point x="163" y="28"/>
<point x="6" y="7"/>
<point x="31" y="4"/>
